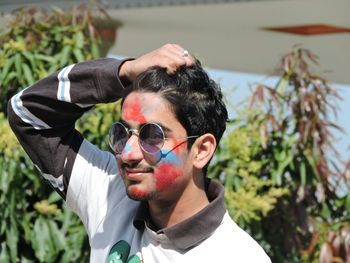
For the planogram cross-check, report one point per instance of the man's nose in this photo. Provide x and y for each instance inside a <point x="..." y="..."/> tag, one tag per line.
<point x="132" y="151"/>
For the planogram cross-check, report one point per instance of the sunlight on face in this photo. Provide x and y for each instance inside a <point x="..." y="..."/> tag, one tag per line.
<point x="144" y="178"/>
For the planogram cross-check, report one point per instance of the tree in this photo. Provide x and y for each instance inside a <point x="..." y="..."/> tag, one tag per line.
<point x="283" y="176"/>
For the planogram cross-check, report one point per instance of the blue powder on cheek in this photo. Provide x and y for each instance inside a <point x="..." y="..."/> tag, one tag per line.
<point x="171" y="158"/>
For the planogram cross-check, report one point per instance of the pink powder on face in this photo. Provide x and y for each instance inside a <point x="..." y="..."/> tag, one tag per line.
<point x="166" y="175"/>
<point x="138" y="193"/>
<point x="132" y="111"/>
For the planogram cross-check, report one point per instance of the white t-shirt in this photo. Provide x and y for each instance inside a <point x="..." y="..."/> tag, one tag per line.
<point x="97" y="194"/>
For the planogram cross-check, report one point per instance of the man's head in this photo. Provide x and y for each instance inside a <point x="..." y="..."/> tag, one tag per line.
<point x="196" y="100"/>
<point x="186" y="104"/>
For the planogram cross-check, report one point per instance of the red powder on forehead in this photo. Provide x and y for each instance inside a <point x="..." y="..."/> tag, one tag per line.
<point x="166" y="175"/>
<point x="138" y="193"/>
<point x="132" y="111"/>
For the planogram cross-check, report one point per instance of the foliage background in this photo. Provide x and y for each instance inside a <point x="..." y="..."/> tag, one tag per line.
<point x="35" y="224"/>
<point x="280" y="179"/>
<point x="285" y="182"/>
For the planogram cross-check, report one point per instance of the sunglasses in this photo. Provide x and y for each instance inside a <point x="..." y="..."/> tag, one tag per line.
<point x="151" y="137"/>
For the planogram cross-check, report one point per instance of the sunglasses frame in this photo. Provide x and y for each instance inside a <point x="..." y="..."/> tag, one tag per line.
<point x="131" y="131"/>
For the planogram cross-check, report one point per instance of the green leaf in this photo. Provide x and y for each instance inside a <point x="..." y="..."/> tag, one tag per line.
<point x="28" y="74"/>
<point x="302" y="174"/>
<point x="78" y="55"/>
<point x="12" y="240"/>
<point x="45" y="58"/>
<point x="25" y="260"/>
<point x="56" y="235"/>
<point x="64" y="56"/>
<point x="54" y="67"/>
<point x="11" y="76"/>
<point x="4" y="256"/>
<point x="347" y="202"/>
<point x="27" y="226"/>
<point x="277" y="175"/>
<point x="95" y="50"/>
<point x="325" y="212"/>
<point x="12" y="202"/>
<point x="39" y="238"/>
<point x="41" y="241"/>
<point x="31" y="58"/>
<point x="18" y="62"/>
<point x="4" y="179"/>
<point x="79" y="38"/>
<point x="47" y="239"/>
<point x="8" y="64"/>
<point x="311" y="162"/>
<point x="54" y="197"/>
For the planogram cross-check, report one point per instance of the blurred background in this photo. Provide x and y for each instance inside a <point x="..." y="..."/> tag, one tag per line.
<point x="283" y="67"/>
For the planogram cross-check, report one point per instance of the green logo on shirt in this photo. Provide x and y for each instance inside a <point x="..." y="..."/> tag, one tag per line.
<point x="119" y="253"/>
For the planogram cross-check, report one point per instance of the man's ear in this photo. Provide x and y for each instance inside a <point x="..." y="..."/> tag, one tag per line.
<point x="203" y="149"/>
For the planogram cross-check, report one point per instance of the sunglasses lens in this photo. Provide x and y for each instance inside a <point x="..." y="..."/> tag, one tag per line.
<point x="151" y="138"/>
<point x="118" y="137"/>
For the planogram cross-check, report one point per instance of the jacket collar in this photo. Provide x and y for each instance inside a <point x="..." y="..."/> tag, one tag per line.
<point x="195" y="229"/>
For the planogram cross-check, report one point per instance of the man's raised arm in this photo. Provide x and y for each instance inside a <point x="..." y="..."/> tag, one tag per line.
<point x="43" y="116"/>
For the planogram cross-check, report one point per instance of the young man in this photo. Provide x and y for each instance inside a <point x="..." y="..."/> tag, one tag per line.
<point x="150" y="201"/>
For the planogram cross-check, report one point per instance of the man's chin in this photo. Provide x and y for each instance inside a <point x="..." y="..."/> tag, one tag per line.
<point x="138" y="194"/>
<point x="138" y="198"/>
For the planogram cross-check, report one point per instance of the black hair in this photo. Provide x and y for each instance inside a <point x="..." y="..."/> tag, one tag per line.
<point x="196" y="100"/>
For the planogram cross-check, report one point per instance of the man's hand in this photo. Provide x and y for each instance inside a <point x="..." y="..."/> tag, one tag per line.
<point x="169" y="56"/>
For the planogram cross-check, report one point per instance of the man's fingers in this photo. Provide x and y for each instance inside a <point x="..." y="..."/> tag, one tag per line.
<point x="170" y="56"/>
<point x="175" y="56"/>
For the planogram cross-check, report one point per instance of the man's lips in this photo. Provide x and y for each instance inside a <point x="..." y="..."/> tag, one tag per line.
<point x="135" y="174"/>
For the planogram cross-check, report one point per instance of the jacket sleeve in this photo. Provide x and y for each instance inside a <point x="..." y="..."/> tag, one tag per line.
<point x="43" y="116"/>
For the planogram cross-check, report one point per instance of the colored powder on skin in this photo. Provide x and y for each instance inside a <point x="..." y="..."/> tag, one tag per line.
<point x="127" y="149"/>
<point x="133" y="112"/>
<point x="168" y="171"/>
<point x="128" y="152"/>
<point x="179" y="145"/>
<point x="138" y="193"/>
<point x="172" y="158"/>
<point x="166" y="175"/>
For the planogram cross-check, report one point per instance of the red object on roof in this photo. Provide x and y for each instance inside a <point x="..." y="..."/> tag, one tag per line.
<point x="308" y="30"/>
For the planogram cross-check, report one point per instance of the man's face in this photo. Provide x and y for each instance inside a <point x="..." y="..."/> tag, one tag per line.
<point x="145" y="176"/>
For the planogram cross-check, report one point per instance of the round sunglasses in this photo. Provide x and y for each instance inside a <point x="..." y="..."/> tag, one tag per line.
<point x="151" y="137"/>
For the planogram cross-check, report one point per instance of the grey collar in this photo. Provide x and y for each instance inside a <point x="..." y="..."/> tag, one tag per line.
<point x="195" y="229"/>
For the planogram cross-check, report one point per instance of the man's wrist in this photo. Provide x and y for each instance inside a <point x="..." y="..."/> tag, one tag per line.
<point x="125" y="73"/>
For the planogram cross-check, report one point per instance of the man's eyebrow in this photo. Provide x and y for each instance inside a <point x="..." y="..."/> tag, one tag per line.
<point x="165" y="128"/>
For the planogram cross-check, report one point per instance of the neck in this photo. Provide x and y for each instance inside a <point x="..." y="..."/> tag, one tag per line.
<point x="166" y="213"/>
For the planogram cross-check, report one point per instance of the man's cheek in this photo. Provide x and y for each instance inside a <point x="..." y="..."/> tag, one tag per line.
<point x="180" y="146"/>
<point x="166" y="175"/>
<point x="167" y="172"/>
